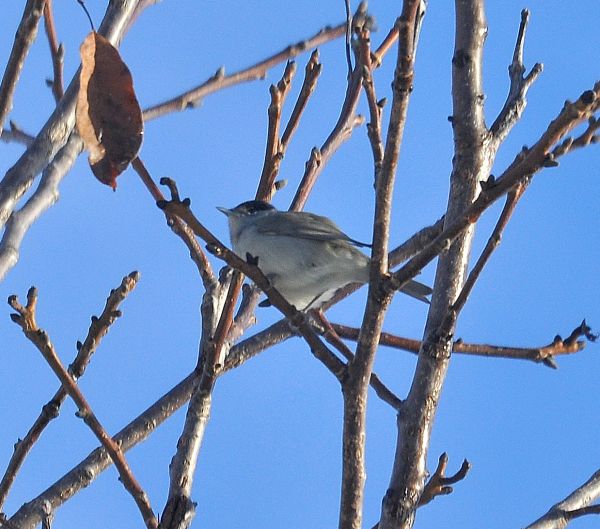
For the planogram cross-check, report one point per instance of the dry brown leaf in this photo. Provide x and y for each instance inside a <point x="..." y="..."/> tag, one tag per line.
<point x="109" y="118"/>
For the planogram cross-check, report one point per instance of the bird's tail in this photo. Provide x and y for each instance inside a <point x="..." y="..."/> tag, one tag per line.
<point x="417" y="290"/>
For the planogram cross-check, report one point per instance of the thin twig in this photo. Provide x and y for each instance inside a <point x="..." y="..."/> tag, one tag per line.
<point x="311" y="74"/>
<point x="98" y="329"/>
<point x="57" y="52"/>
<point x="348" y="37"/>
<point x="179" y="228"/>
<point x="273" y="152"/>
<point x="587" y="137"/>
<point x="220" y="81"/>
<point x="439" y="484"/>
<point x="512" y="199"/>
<point x="384" y="47"/>
<point x="543" y="354"/>
<point x="342" y="130"/>
<point x="375" y="107"/>
<point x="80" y="476"/>
<point x="382" y="391"/>
<point x="25" y="318"/>
<point x="519" y="85"/>
<point x="24" y="37"/>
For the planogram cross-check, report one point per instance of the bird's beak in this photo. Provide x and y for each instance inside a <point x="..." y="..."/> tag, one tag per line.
<point x="224" y="210"/>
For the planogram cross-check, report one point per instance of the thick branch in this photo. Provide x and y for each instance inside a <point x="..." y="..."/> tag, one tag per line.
<point x="59" y="125"/>
<point x="44" y="196"/>
<point x="471" y="162"/>
<point x="575" y="504"/>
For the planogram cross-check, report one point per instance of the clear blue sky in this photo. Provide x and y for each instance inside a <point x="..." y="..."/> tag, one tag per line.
<point x="271" y="456"/>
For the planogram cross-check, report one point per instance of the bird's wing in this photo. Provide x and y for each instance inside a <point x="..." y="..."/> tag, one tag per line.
<point x="304" y="226"/>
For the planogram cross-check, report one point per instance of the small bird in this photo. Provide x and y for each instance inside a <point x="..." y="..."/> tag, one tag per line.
<point x="306" y="257"/>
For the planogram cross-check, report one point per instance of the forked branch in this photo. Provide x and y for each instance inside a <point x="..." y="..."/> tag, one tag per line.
<point x="25" y="318"/>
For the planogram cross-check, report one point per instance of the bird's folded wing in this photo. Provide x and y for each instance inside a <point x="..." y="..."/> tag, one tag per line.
<point x="304" y="226"/>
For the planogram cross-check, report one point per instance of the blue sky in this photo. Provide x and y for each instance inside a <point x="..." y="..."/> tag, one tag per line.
<point x="271" y="456"/>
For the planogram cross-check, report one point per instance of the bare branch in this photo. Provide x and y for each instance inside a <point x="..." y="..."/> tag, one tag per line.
<point x="25" y="318"/>
<point x="16" y="135"/>
<point x="58" y="127"/>
<point x="273" y="152"/>
<point x="544" y="354"/>
<point x="219" y="80"/>
<point x="471" y="162"/>
<point x="526" y="164"/>
<point x="359" y="371"/>
<point x="439" y="484"/>
<point x="30" y="514"/>
<point x="375" y="107"/>
<point x="57" y="52"/>
<point x="98" y="328"/>
<point x="24" y="37"/>
<point x="492" y="243"/>
<point x="44" y="196"/>
<point x="574" y="505"/>
<point x="587" y="137"/>
<point x="179" y="228"/>
<point x="382" y="391"/>
<point x="519" y="85"/>
<point x="342" y="130"/>
<point x="311" y="74"/>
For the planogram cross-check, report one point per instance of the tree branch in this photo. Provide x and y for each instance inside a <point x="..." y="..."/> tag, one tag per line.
<point x="219" y="80"/>
<point x="439" y="484"/>
<point x="525" y="165"/>
<point x="381" y="390"/>
<point x="25" y="318"/>
<point x="574" y="505"/>
<point x="519" y="85"/>
<point x="57" y="53"/>
<point x="471" y="161"/>
<point x="44" y="196"/>
<point x="58" y="127"/>
<point x="273" y="152"/>
<point x="24" y="37"/>
<point x="179" y="228"/>
<point x="544" y="354"/>
<point x="98" y="329"/>
<point x="81" y="476"/>
<point x="360" y="369"/>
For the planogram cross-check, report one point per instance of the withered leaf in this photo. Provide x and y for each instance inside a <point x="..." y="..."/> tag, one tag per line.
<point x="109" y="118"/>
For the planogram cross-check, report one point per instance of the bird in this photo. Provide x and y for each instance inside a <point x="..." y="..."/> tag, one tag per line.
<point x="305" y="256"/>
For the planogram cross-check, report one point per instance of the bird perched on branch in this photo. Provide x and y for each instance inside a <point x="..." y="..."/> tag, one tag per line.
<point x="306" y="257"/>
